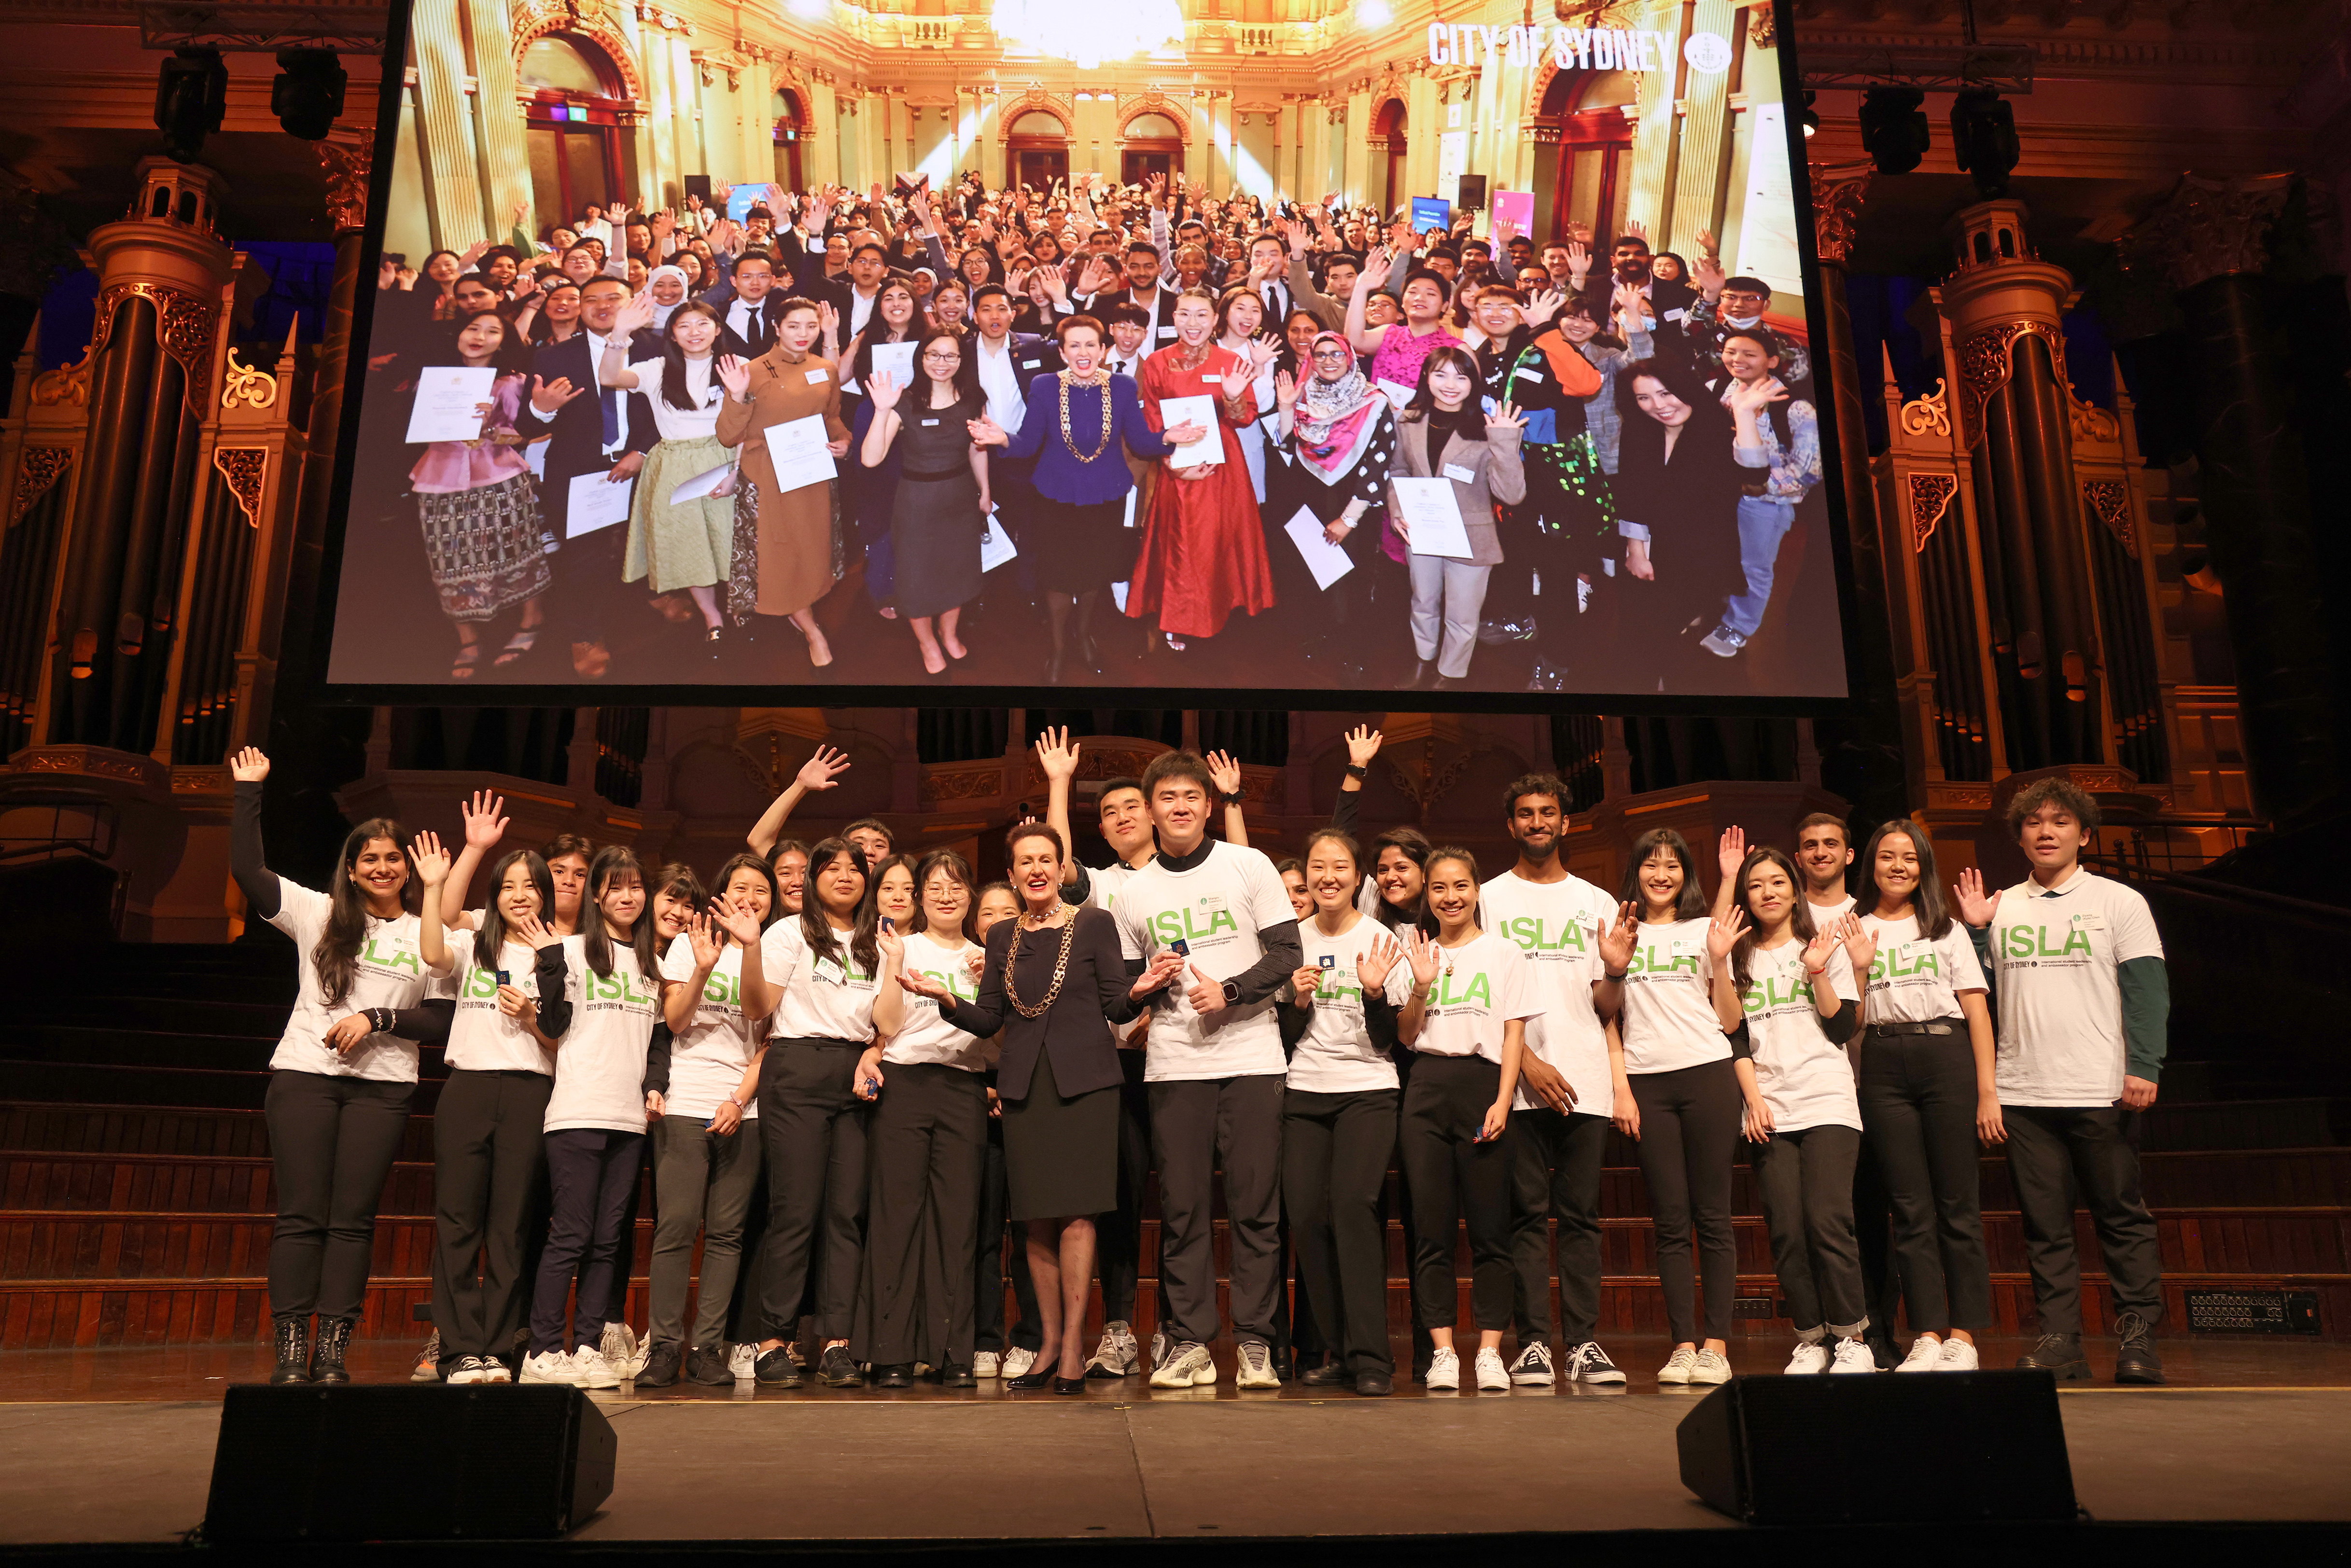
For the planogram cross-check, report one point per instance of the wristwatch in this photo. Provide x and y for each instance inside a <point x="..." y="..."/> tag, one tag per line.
<point x="1232" y="995"/>
<point x="1355" y="771"/>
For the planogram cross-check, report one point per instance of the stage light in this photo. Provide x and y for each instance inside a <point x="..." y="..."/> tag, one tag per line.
<point x="1895" y="130"/>
<point x="191" y="96"/>
<point x="1983" y="138"/>
<point x="1810" y="119"/>
<point x="308" y="92"/>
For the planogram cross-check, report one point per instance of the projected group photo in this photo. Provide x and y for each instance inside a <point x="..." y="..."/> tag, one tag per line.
<point x="1076" y="381"/>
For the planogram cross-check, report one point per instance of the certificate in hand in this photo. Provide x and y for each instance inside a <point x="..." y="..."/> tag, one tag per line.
<point x="1194" y="410"/>
<point x="994" y="547"/>
<point x="596" y="503"/>
<point x="448" y="403"/>
<point x="701" y="485"/>
<point x="896" y="360"/>
<point x="1327" y="561"/>
<point x="1400" y="394"/>
<point x="798" y="451"/>
<point x="1432" y="515"/>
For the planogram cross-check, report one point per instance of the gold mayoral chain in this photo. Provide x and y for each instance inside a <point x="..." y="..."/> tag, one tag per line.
<point x="1069" y="923"/>
<point x="1066" y="378"/>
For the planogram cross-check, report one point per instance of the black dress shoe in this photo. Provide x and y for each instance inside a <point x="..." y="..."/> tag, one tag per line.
<point x="2135" y="1362"/>
<point x="899" y="1375"/>
<point x="1330" y="1375"/>
<point x="292" y="1336"/>
<point x="1424" y="670"/>
<point x="1068" y="1384"/>
<point x="707" y="1366"/>
<point x="2059" y="1355"/>
<point x="335" y="1337"/>
<point x="774" y="1368"/>
<point x="835" y="1369"/>
<point x="1374" y="1385"/>
<point x="661" y="1366"/>
<point x="955" y="1374"/>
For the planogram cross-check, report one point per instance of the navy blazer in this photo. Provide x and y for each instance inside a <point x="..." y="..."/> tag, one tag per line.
<point x="575" y="443"/>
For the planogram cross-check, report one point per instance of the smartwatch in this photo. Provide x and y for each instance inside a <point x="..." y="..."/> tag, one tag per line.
<point x="1232" y="993"/>
<point x="1355" y="771"/>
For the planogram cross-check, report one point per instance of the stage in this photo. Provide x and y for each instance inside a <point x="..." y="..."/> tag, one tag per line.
<point x="116" y="1445"/>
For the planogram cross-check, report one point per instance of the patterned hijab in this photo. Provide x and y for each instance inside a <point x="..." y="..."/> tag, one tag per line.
<point x="1334" y="418"/>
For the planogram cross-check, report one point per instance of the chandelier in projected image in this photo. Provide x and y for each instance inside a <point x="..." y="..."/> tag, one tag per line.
<point x="1088" y="32"/>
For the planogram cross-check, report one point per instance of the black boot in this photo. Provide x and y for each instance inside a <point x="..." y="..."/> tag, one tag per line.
<point x="327" y="1354"/>
<point x="2059" y="1355"/>
<point x="2134" y="1359"/>
<point x="293" y="1335"/>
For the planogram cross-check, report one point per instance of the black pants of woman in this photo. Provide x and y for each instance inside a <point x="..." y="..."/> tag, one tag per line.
<point x="1454" y="1177"/>
<point x="1335" y="1150"/>
<point x="1919" y="1107"/>
<point x="1689" y="1132"/>
<point x="1807" y="1181"/>
<point x="929" y="1149"/>
<point x="703" y="1186"/>
<point x="591" y="1174"/>
<point x="487" y="1174"/>
<point x="813" y="1133"/>
<point x="331" y="1143"/>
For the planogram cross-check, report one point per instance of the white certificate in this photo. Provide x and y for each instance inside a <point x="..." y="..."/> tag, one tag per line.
<point x="1432" y="515"/>
<point x="996" y="547"/>
<point x="448" y="403"/>
<point x="896" y="360"/>
<point x="1195" y="410"/>
<point x="701" y="485"/>
<point x="1399" y="394"/>
<point x="797" y="448"/>
<point x="596" y="503"/>
<point x="534" y="457"/>
<point x="1327" y="561"/>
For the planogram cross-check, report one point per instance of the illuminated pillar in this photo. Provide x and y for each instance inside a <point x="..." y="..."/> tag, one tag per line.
<point x="452" y="169"/>
<point x="1705" y="137"/>
<point x="498" y="116"/>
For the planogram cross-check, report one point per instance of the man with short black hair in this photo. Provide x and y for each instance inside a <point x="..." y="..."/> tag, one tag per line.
<point x="746" y="315"/>
<point x="872" y="837"/>
<point x="1143" y="292"/>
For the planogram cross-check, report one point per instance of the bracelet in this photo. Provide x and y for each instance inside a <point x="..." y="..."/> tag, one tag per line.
<point x="1816" y="973"/>
<point x="380" y="1020"/>
<point x="1356" y="771"/>
<point x="1614" y="974"/>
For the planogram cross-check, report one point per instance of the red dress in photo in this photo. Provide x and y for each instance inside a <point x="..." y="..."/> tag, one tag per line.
<point x="1203" y="550"/>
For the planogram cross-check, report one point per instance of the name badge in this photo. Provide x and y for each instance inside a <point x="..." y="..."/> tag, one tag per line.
<point x="930" y="422"/>
<point x="829" y="972"/>
<point x="1211" y="377"/>
<point x="1455" y="470"/>
<point x="1527" y="373"/>
<point x="2091" y="921"/>
<point x="817" y="377"/>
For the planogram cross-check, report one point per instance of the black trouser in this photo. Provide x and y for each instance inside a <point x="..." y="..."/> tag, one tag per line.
<point x="812" y="1135"/>
<point x="1689" y="1130"/>
<point x="1335" y="1150"/>
<point x="703" y="1184"/>
<point x="331" y="1143"/>
<point x="2097" y="1146"/>
<point x="1199" y="1126"/>
<point x="592" y="1173"/>
<point x="1873" y="1229"/>
<point x="1919" y="1107"/>
<point x="1029" y="1333"/>
<point x="1454" y="1178"/>
<point x="1557" y="1176"/>
<point x="1118" y="1236"/>
<point x="1807" y="1181"/>
<point x="929" y="1141"/>
<point x="487" y="1170"/>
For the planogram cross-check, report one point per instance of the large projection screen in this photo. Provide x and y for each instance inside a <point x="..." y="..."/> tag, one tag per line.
<point x="562" y="469"/>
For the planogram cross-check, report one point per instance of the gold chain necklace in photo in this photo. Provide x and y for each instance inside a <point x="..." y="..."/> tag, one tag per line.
<point x="1068" y="379"/>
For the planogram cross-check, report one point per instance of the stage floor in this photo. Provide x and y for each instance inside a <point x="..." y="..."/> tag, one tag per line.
<point x="116" y="1446"/>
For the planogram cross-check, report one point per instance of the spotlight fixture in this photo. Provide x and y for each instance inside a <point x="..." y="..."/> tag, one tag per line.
<point x="1895" y="130"/>
<point x="308" y="92"/>
<point x="1810" y="119"/>
<point x="1983" y="138"/>
<point x="191" y="97"/>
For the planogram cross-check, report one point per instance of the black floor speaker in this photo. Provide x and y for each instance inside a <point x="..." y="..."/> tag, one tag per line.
<point x="485" y="1462"/>
<point x="1928" y="1448"/>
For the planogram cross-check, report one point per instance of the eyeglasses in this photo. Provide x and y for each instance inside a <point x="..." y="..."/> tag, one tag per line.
<point x="942" y="358"/>
<point x="1335" y="355"/>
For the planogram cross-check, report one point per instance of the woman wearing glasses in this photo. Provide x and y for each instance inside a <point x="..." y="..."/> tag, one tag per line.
<point x="1341" y="431"/>
<point x="917" y="441"/>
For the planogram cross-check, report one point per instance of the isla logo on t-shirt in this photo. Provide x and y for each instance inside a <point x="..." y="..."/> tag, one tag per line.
<point x="1200" y="920"/>
<point x="1768" y="994"/>
<point x="1535" y="938"/>
<point x="1905" y="960"/>
<point x="620" y="986"/>
<point x="396" y="958"/>
<point x="2038" y="943"/>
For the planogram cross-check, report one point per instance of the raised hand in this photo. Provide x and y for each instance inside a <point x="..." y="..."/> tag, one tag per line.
<point x="1708" y="244"/>
<point x="1860" y="947"/>
<point x="1261" y="351"/>
<point x="986" y="431"/>
<point x="1823" y="948"/>
<point x="1723" y="933"/>
<point x="1618" y="942"/>
<point x="1629" y="301"/>
<point x="1376" y="270"/>
<point x="1376" y="962"/>
<point x="884" y="392"/>
<point x="1505" y="416"/>
<point x="735" y="919"/>
<point x="1974" y="908"/>
<point x="549" y="396"/>
<point x="828" y="318"/>
<point x="484" y="819"/>
<point x="535" y="933"/>
<point x="1579" y="259"/>
<point x="1752" y="397"/>
<point x="249" y="766"/>
<point x="1636" y="230"/>
<point x="633" y="316"/>
<point x="1224" y="773"/>
<point x="1056" y="754"/>
<point x="891" y="946"/>
<point x="706" y="941"/>
<point x="1544" y="306"/>
<point x="1710" y="276"/>
<point x="735" y="374"/>
<point x="824" y="770"/>
<point x="1730" y="851"/>
<point x="1237" y="380"/>
<point x="1425" y="956"/>
<point x="1285" y="391"/>
<point x="1363" y="745"/>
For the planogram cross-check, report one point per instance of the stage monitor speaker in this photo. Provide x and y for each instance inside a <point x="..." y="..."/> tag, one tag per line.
<point x="698" y="185"/>
<point x="1850" y="1450"/>
<point x="1470" y="194"/>
<point x="483" y="1462"/>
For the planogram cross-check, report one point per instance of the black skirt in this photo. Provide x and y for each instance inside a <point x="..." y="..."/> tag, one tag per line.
<point x="1077" y="549"/>
<point x="1060" y="1157"/>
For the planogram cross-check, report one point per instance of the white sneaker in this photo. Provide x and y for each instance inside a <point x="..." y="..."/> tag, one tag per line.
<point x="1256" y="1367"/>
<point x="591" y="1369"/>
<point x="1444" y="1369"/>
<point x="1532" y="1367"/>
<point x="1811" y="1356"/>
<point x="494" y="1371"/>
<point x="620" y="1346"/>
<point x="1017" y="1361"/>
<point x="1712" y="1367"/>
<point x="1188" y="1367"/>
<point x="1678" y="1365"/>
<point x="1925" y="1354"/>
<point x="469" y="1369"/>
<point x="1494" y="1378"/>
<point x="1854" y="1355"/>
<point x="1587" y="1362"/>
<point x="984" y="1363"/>
<point x="1117" y="1353"/>
<point x="1957" y="1355"/>
<point x="743" y="1361"/>
<point x="551" y="1367"/>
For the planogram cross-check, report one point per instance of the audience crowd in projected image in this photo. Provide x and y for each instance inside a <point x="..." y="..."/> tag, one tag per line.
<point x="1134" y="434"/>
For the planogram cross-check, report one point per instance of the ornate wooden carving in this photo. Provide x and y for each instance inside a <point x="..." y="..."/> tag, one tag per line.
<point x="1988" y="358"/>
<point x="1930" y="497"/>
<point x="1929" y="415"/>
<point x="2108" y="501"/>
<point x="243" y="467"/>
<point x="258" y="389"/>
<point x="37" y="470"/>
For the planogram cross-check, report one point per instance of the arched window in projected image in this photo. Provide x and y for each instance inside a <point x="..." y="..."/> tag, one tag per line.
<point x="1593" y="179"/>
<point x="572" y="128"/>
<point x="1036" y="151"/>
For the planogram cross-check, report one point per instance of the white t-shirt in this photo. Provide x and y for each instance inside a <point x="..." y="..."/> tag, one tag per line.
<point x="681" y="424"/>
<point x="388" y="973"/>
<point x="2055" y="954"/>
<point x="1805" y="1077"/>
<point x="1102" y="885"/>
<point x="1335" y="1055"/>
<point x="1914" y="979"/>
<point x="600" y="1074"/>
<point x="706" y="1062"/>
<point x="1557" y="926"/>
<point x="481" y="1038"/>
<point x="1480" y="986"/>
<point x="1669" y="1022"/>
<point x="822" y="998"/>
<point x="1216" y="909"/>
<point x="927" y="1036"/>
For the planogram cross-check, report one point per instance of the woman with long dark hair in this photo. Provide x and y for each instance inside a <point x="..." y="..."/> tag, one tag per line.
<point x="866" y="498"/>
<point x="343" y="1073"/>
<point x="686" y="543"/>
<point x="1446" y="431"/>
<point x="1678" y="487"/>
<point x="914" y="442"/>
<point x="1776" y="432"/>
<point x="1241" y="327"/>
<point x="551" y="316"/>
<point x="1667" y="982"/>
